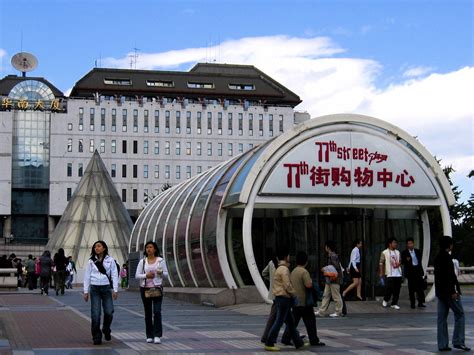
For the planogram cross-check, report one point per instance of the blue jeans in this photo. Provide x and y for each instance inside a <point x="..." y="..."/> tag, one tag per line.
<point x="443" y="309"/>
<point x="153" y="325"/>
<point x="101" y="297"/>
<point x="284" y="315"/>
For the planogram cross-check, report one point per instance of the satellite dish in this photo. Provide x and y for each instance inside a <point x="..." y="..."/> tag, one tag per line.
<point x="24" y="62"/>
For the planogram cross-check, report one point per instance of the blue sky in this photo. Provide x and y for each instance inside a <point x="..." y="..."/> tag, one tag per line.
<point x="408" y="62"/>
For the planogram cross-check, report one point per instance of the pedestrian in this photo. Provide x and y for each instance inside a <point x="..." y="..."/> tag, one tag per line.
<point x="124" y="276"/>
<point x="354" y="269"/>
<point x="70" y="271"/>
<point x="150" y="271"/>
<point x="30" y="272"/>
<point x="60" y="262"/>
<point x="448" y="293"/>
<point x="390" y="268"/>
<point x="101" y="282"/>
<point x="267" y="273"/>
<point x="284" y="294"/>
<point x="333" y="280"/>
<point x="303" y="285"/>
<point x="46" y="265"/>
<point x="413" y="271"/>
<point x="19" y="271"/>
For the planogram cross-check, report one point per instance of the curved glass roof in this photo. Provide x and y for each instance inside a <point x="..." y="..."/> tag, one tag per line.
<point x="31" y="90"/>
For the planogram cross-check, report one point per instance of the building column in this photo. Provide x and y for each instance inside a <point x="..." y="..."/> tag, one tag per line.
<point x="7" y="226"/>
<point x="51" y="226"/>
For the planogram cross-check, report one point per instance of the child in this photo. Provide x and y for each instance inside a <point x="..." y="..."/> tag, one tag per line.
<point x="124" y="276"/>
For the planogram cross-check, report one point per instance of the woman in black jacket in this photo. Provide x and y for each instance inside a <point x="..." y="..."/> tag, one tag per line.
<point x="60" y="261"/>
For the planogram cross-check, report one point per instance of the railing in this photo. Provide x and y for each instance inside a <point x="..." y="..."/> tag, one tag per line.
<point x="466" y="274"/>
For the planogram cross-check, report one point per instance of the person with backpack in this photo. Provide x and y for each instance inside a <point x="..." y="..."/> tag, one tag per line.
<point x="101" y="283"/>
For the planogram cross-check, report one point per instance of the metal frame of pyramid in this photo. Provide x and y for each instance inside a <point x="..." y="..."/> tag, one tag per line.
<point x="94" y="212"/>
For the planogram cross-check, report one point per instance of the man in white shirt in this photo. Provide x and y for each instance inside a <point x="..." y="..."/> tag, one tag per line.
<point x="390" y="267"/>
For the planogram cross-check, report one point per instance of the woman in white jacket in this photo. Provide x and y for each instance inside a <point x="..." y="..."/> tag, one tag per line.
<point x="150" y="271"/>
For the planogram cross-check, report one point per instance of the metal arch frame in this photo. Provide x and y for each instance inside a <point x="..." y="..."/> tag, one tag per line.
<point x="154" y="210"/>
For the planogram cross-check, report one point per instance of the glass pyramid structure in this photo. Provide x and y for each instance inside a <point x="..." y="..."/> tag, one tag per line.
<point x="95" y="212"/>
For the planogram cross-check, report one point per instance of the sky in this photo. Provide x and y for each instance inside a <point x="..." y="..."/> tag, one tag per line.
<point x="407" y="62"/>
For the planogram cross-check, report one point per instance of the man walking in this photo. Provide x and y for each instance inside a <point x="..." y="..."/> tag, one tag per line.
<point x="389" y="266"/>
<point x="448" y="293"/>
<point x="413" y="269"/>
<point x="30" y="272"/>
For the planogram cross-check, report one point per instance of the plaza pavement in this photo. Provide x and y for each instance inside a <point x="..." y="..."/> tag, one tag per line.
<point x="35" y="324"/>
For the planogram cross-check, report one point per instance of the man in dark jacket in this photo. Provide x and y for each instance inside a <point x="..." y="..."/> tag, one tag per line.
<point x="448" y="293"/>
<point x="413" y="271"/>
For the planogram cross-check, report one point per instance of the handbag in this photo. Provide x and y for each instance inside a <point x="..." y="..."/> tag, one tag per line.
<point x="153" y="292"/>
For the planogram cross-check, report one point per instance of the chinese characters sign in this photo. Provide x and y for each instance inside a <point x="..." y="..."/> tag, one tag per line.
<point x="349" y="163"/>
<point x="36" y="105"/>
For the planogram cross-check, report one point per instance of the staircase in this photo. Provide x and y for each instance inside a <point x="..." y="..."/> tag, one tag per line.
<point x="21" y="250"/>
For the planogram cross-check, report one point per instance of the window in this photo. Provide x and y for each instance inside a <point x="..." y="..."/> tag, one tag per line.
<point x="245" y="87"/>
<point x="81" y="146"/>
<point x="198" y="120"/>
<point x="157" y="148"/>
<point x="69" y="169"/>
<point x="188" y="148"/>
<point x="209" y="123"/>
<point x="209" y="148"/>
<point x="145" y="171"/>
<point x="91" y="146"/>
<point x="114" y="146"/>
<point x="157" y="121"/>
<point x="219" y="149"/>
<point x="69" y="126"/>
<point x="157" y="172"/>
<point x="135" y="120"/>
<point x="167" y="148"/>
<point x="219" y="123"/>
<point x="178" y="122"/>
<point x="102" y="119"/>
<point x="68" y="194"/>
<point x="167" y="172"/>
<point x="124" y="195"/>
<point x="69" y="144"/>
<point x="167" y="122"/>
<point x="241" y="124"/>
<point x="113" y="170"/>
<point x="200" y="85"/>
<point x="124" y="120"/>
<point x="250" y="124"/>
<point x="280" y="123"/>
<point x="124" y="170"/>
<point x="241" y="147"/>
<point x="250" y="146"/>
<point x="135" y="195"/>
<point x="92" y="117"/>
<point x="178" y="148"/>
<point x="199" y="148"/>
<point x="145" y="195"/>
<point x="229" y="116"/>
<point x="188" y="172"/>
<point x="199" y="169"/>
<point x="80" y="170"/>
<point x="260" y="124"/>
<point x="135" y="171"/>
<point x="270" y="125"/>
<point x="230" y="149"/>
<point x="124" y="147"/>
<point x="117" y="81"/>
<point x="114" y="120"/>
<point x="102" y="145"/>
<point x="145" y="121"/>
<point x="178" y="172"/>
<point x="145" y="147"/>
<point x="81" y="118"/>
<point x="160" y="83"/>
<point x="188" y="122"/>
<point x="135" y="147"/>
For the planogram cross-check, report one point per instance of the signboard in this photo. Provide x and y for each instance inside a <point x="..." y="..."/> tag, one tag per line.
<point x="36" y="105"/>
<point x="349" y="163"/>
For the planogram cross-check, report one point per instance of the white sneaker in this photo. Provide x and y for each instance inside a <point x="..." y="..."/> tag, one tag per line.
<point x="157" y="340"/>
<point x="394" y="306"/>
<point x="384" y="303"/>
<point x="334" y="315"/>
<point x="149" y="340"/>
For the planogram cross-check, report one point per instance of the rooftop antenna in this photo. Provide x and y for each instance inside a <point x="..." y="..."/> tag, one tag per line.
<point x="134" y="58"/>
<point x="24" y="62"/>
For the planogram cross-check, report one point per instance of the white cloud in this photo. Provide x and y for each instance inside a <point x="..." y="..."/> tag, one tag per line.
<point x="417" y="72"/>
<point x="68" y="92"/>
<point x="3" y="52"/>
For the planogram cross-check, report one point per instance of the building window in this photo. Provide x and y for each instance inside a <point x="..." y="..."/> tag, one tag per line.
<point x="178" y="122"/>
<point x="117" y="81"/>
<point x="230" y="149"/>
<point x="80" y="147"/>
<point x="135" y="195"/>
<point x="241" y="124"/>
<point x="157" y="121"/>
<point x="145" y="195"/>
<point x="80" y="170"/>
<point x="200" y="85"/>
<point x="92" y="117"/>
<point x="188" y="122"/>
<point x="114" y="146"/>
<point x="69" y="126"/>
<point x="124" y="147"/>
<point x="135" y="147"/>
<point x="157" y="172"/>
<point x="69" y="169"/>
<point x="81" y="118"/>
<point x="270" y="125"/>
<point x="209" y="148"/>
<point x="145" y="147"/>
<point x="69" y="144"/>
<point x="188" y="148"/>
<point x="219" y="149"/>
<point x="178" y="172"/>
<point x="167" y="122"/>
<point x="199" y="169"/>
<point x="91" y="146"/>
<point x="167" y="172"/>
<point x="188" y="172"/>
<point x="124" y="120"/>
<point x="113" y="170"/>
<point x="250" y="124"/>
<point x="280" y="123"/>
<point x="145" y="121"/>
<point x="178" y="148"/>
<point x="114" y="120"/>
<point x="229" y="117"/>
<point x="250" y="146"/>
<point x="260" y="125"/>
<point x="244" y="87"/>
<point x="102" y="119"/>
<point x="135" y="120"/>
<point x="135" y="171"/>
<point x="145" y="171"/>
<point x="68" y="194"/>
<point x="102" y="145"/>
<point x="160" y="83"/>
<point x="198" y="122"/>
<point x="219" y="123"/>
<point x="124" y="195"/>
<point x="124" y="170"/>
<point x="241" y="147"/>
<point x="167" y="148"/>
<point x="157" y="148"/>
<point x="199" y="148"/>
<point x="209" y="123"/>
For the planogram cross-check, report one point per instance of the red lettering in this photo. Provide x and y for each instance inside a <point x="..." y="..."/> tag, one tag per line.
<point x="384" y="176"/>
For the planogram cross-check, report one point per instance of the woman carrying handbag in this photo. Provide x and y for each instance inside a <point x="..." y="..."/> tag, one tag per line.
<point x="150" y="271"/>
